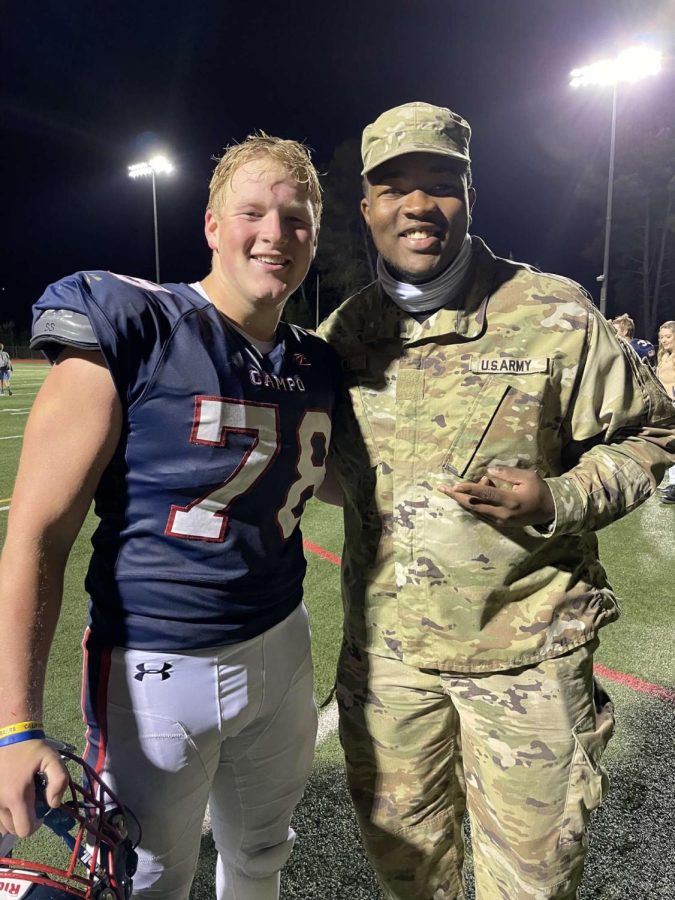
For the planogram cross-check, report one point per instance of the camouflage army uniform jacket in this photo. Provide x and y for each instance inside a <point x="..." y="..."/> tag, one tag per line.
<point x="524" y="373"/>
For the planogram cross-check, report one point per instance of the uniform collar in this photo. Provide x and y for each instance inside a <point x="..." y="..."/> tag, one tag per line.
<point x="464" y="321"/>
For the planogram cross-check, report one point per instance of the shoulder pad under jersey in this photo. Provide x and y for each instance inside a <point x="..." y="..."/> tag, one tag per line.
<point x="65" y="328"/>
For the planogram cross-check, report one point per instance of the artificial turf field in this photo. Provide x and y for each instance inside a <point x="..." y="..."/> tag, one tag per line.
<point x="632" y="853"/>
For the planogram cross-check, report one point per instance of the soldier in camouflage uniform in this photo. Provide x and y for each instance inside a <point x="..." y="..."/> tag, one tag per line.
<point x="495" y="423"/>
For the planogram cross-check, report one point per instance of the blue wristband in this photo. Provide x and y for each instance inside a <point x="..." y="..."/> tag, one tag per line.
<point x="37" y="734"/>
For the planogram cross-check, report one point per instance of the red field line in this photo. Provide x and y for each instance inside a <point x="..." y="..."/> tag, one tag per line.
<point x="319" y="551"/>
<point x="637" y="684"/>
<point x="645" y="687"/>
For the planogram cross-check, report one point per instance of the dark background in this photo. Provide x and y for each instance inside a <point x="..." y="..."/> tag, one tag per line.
<point x="90" y="87"/>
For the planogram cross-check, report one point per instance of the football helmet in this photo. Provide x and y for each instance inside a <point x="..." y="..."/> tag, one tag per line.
<point x="95" y="828"/>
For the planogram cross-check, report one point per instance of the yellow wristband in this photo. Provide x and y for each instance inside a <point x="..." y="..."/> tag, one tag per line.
<point x="18" y="728"/>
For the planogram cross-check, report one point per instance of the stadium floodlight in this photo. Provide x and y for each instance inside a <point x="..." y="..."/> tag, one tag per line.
<point x="633" y="64"/>
<point x="156" y="165"/>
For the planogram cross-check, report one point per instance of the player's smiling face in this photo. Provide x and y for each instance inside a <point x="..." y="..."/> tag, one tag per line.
<point x="418" y="209"/>
<point x="263" y="237"/>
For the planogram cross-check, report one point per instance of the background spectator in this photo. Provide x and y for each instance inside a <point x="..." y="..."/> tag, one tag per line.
<point x="665" y="372"/>
<point x="5" y="371"/>
<point x="625" y="328"/>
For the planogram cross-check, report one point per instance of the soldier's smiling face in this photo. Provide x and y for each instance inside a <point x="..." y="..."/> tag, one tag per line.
<point x="418" y="209"/>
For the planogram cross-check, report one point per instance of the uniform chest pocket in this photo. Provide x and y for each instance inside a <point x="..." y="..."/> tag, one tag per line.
<point x="500" y="426"/>
<point x="353" y="443"/>
<point x="369" y="426"/>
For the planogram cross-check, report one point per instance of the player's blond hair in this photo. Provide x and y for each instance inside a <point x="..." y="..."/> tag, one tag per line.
<point x="292" y="155"/>
<point x="625" y="324"/>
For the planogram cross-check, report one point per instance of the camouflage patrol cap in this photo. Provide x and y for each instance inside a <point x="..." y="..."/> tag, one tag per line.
<point x="415" y="128"/>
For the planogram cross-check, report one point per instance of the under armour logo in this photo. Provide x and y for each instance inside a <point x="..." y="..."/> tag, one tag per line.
<point x="143" y="670"/>
<point x="301" y="359"/>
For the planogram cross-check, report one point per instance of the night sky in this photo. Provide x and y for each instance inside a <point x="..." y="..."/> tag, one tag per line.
<point x="90" y="87"/>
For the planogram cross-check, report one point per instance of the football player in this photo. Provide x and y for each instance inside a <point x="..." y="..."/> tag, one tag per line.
<point x="199" y="424"/>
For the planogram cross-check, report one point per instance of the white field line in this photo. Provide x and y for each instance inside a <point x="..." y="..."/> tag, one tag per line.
<point x="4" y="508"/>
<point x="11" y="437"/>
<point x="328" y="722"/>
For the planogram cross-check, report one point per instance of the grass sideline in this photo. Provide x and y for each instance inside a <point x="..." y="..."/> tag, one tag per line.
<point x="631" y="842"/>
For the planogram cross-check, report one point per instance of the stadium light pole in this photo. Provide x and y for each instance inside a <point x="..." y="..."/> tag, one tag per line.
<point x="633" y="64"/>
<point x="156" y="165"/>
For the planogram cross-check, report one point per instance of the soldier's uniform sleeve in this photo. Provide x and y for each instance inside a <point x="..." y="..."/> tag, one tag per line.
<point x="620" y="437"/>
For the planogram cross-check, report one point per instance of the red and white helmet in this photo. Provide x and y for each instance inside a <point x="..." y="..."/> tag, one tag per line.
<point x="94" y="826"/>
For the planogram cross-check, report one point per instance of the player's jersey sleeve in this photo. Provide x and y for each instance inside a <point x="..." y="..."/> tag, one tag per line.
<point x="129" y="320"/>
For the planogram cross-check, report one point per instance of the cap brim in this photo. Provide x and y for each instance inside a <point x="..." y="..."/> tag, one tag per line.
<point x="418" y="148"/>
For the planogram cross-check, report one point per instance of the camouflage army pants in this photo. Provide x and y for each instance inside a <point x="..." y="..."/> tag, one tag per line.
<point x="518" y="750"/>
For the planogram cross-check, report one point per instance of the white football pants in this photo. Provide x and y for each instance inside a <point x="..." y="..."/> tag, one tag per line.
<point x="234" y="726"/>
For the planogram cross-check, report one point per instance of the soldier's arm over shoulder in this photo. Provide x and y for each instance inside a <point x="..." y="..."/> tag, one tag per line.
<point x="618" y="434"/>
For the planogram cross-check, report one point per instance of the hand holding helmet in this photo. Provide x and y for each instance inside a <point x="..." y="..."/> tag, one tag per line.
<point x="19" y="764"/>
<point x="92" y="824"/>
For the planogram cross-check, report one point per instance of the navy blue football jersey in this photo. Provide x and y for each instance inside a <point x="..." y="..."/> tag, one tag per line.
<point x="645" y="350"/>
<point x="199" y="541"/>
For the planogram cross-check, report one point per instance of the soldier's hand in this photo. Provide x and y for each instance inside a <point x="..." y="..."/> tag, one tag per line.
<point x="19" y="764"/>
<point x="525" y="500"/>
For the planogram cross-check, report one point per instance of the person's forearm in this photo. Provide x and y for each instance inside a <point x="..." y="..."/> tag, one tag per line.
<point x="611" y="479"/>
<point x="329" y="491"/>
<point x="618" y="437"/>
<point x="31" y="584"/>
<point x="66" y="447"/>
